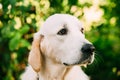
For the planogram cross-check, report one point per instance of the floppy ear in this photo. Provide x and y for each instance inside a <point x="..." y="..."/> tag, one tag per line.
<point x="35" y="58"/>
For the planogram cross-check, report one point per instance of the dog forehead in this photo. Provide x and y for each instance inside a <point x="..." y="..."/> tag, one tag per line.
<point x="56" y="21"/>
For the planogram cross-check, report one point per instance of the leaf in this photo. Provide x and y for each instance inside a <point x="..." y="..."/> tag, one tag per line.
<point x="24" y="43"/>
<point x="14" y="42"/>
<point x="24" y="29"/>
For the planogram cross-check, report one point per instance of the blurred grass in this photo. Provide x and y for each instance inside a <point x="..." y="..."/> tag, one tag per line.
<point x="19" y="19"/>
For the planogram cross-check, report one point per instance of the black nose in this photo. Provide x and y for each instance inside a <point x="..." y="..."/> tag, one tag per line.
<point x="88" y="48"/>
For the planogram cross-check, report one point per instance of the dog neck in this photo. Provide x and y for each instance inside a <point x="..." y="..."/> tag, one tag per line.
<point x="52" y="71"/>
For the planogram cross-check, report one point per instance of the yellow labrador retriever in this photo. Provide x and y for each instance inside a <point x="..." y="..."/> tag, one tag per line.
<point x="58" y="50"/>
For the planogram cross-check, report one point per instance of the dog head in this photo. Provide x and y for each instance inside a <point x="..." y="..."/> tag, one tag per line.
<point x="61" y="39"/>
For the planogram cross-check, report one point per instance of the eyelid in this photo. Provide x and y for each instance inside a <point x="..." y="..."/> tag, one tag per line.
<point x="63" y="31"/>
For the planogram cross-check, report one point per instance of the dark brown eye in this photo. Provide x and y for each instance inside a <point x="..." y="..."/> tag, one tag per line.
<point x="62" y="31"/>
<point x="82" y="30"/>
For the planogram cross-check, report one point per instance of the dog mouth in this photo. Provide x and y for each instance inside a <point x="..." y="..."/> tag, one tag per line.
<point x="82" y="62"/>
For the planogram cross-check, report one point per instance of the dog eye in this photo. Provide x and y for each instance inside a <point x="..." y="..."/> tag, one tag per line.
<point x="82" y="30"/>
<point x="62" y="31"/>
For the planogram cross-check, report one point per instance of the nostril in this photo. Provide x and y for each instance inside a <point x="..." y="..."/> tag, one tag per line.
<point x="88" y="48"/>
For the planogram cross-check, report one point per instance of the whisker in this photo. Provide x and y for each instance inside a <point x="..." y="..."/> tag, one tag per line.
<point x="95" y="65"/>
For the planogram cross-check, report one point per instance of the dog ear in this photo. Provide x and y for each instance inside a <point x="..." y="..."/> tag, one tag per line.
<point x="35" y="56"/>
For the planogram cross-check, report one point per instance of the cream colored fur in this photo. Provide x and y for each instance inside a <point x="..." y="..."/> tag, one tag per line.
<point x="50" y="51"/>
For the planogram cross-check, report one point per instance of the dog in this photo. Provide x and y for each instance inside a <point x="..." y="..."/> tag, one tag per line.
<point x="59" y="49"/>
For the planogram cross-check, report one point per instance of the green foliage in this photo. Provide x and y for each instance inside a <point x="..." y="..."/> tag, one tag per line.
<point x="19" y="19"/>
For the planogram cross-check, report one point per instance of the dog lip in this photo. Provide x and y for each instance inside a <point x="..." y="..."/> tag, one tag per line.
<point x="66" y="64"/>
<point x="76" y="63"/>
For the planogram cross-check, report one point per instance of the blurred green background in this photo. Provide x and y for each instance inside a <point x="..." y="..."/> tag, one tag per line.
<point x="19" y="19"/>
